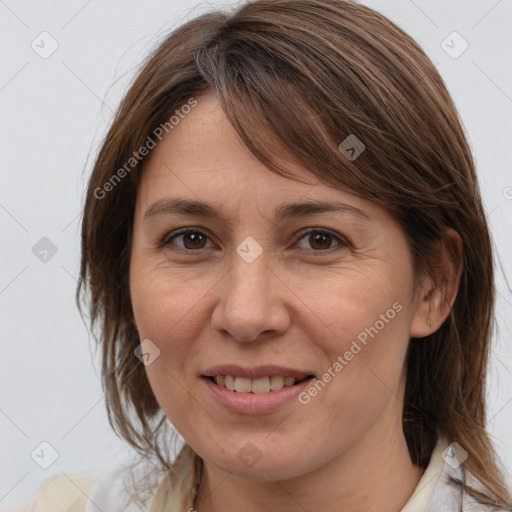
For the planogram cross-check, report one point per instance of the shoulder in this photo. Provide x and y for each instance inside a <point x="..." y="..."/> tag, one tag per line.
<point x="113" y="490"/>
<point x="450" y="494"/>
<point x="63" y="492"/>
<point x="178" y="489"/>
<point x="84" y="492"/>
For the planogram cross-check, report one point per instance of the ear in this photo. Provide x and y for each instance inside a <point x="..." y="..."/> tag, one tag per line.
<point x="438" y="290"/>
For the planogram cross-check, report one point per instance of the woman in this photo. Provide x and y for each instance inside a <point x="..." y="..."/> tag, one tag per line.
<point x="288" y="260"/>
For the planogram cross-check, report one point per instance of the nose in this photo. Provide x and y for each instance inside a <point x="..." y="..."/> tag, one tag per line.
<point x="252" y="302"/>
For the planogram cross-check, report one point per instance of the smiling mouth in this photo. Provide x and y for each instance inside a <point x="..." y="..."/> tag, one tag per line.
<point x="256" y="386"/>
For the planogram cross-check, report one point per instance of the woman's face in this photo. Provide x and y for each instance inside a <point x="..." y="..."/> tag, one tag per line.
<point x="259" y="288"/>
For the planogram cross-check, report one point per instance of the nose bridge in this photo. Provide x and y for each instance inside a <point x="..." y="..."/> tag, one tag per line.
<point x="249" y="270"/>
<point x="248" y="293"/>
<point x="250" y="301"/>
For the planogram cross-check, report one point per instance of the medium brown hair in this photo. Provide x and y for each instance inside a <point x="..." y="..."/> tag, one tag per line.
<point x="304" y="75"/>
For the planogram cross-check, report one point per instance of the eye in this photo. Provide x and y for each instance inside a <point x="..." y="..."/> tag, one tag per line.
<point x="191" y="239"/>
<point x="321" y="240"/>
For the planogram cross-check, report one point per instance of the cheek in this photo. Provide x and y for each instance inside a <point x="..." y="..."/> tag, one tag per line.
<point x="168" y="316"/>
<point x="363" y="324"/>
<point x="358" y="304"/>
<point x="166" y="304"/>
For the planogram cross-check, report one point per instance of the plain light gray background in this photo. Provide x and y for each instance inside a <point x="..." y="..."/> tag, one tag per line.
<point x="53" y="112"/>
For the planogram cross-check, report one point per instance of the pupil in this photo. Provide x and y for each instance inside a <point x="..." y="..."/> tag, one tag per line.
<point x="194" y="238"/>
<point x="318" y="238"/>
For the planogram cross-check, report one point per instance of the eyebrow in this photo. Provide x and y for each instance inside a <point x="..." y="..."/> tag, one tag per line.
<point x="197" y="208"/>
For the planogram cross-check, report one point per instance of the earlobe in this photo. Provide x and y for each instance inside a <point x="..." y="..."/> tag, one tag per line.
<point x="421" y="325"/>
<point x="439" y="289"/>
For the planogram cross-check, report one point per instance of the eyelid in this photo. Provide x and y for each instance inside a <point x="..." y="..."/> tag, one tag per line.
<point x="166" y="239"/>
<point x="342" y="241"/>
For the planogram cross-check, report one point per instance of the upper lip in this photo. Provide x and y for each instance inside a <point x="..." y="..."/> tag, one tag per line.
<point x="255" y="372"/>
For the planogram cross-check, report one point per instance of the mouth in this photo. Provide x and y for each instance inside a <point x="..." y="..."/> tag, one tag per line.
<point x="256" y="380"/>
<point x="257" y="390"/>
<point x="260" y="385"/>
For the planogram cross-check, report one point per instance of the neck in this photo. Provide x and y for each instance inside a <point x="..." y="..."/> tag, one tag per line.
<point x="375" y="474"/>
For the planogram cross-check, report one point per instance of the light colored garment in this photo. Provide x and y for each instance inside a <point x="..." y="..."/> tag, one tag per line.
<point x="85" y="492"/>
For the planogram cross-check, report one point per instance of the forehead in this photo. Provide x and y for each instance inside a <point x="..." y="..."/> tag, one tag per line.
<point x="208" y="146"/>
<point x="203" y="159"/>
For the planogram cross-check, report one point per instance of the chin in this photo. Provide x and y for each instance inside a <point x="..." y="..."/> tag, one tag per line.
<point x="263" y="470"/>
<point x="264" y="464"/>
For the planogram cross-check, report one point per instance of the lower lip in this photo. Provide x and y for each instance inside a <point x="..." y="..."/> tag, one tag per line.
<point x="255" y="403"/>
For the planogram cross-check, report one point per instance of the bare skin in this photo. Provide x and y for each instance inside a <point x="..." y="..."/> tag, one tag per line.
<point x="300" y="304"/>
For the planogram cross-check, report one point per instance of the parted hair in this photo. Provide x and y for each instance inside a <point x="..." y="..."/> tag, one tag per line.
<point x="304" y="75"/>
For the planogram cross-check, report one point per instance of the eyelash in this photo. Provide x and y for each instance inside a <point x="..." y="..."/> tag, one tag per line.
<point x="342" y="242"/>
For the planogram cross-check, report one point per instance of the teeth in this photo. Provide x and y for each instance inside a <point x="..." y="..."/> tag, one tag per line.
<point x="229" y="382"/>
<point x="289" y="381"/>
<point x="276" y="382"/>
<point x="261" y="385"/>
<point x="242" y="385"/>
